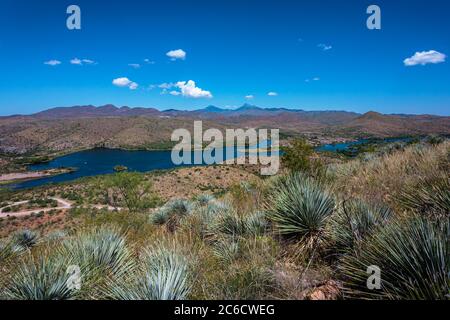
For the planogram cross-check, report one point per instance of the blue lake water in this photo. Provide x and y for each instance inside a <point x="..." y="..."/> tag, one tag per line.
<point x="336" y="147"/>
<point x="102" y="161"/>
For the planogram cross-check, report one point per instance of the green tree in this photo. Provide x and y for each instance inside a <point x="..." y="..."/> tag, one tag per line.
<point x="296" y="157"/>
<point x="130" y="190"/>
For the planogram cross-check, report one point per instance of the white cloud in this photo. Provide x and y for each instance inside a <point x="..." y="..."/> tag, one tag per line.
<point x="316" y="79"/>
<point x="76" y="61"/>
<point x="125" y="82"/>
<point x="134" y="65"/>
<point x="272" y="94"/>
<point x="52" y="62"/>
<point x="425" y="57"/>
<point x="176" y="54"/>
<point x="88" y="61"/>
<point x="148" y="61"/>
<point x="190" y="90"/>
<point x="325" y="47"/>
<point x="166" y="85"/>
<point x="249" y="97"/>
<point x="175" y="93"/>
<point x="80" y="62"/>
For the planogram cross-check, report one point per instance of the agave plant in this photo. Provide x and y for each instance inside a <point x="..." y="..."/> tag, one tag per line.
<point x="24" y="239"/>
<point x="300" y="208"/>
<point x="413" y="257"/>
<point x="353" y="222"/>
<point x="165" y="276"/>
<point x="42" y="278"/>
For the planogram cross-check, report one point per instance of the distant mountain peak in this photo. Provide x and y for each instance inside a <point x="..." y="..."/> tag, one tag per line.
<point x="247" y="106"/>
<point x="372" y="115"/>
<point x="212" y="108"/>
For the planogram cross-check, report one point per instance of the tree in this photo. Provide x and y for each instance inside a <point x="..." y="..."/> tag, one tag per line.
<point x="130" y="190"/>
<point x="297" y="158"/>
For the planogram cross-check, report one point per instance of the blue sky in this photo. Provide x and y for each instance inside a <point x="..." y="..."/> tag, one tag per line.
<point x="313" y="55"/>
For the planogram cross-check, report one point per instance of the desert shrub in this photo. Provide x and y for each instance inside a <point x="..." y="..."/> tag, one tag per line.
<point x="164" y="275"/>
<point x="353" y="222"/>
<point x="414" y="259"/>
<point x="130" y="190"/>
<point x="41" y="278"/>
<point x="298" y="158"/>
<point x="299" y="209"/>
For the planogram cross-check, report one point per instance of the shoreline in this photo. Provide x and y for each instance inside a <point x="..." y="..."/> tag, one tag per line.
<point x="8" y="178"/>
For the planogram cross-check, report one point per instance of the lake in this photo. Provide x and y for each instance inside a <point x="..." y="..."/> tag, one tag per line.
<point x="102" y="161"/>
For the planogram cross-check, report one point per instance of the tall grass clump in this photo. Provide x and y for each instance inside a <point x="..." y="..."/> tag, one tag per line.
<point x="300" y="208"/>
<point x="353" y="222"/>
<point x="164" y="275"/>
<point x="414" y="259"/>
<point x="40" y="278"/>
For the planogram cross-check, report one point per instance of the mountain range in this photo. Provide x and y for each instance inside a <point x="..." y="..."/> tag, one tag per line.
<point x="81" y="127"/>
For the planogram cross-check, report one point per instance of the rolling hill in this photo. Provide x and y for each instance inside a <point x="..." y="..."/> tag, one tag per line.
<point x="82" y="127"/>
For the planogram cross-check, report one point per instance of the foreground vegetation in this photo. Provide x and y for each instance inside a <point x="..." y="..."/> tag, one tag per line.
<point x="308" y="233"/>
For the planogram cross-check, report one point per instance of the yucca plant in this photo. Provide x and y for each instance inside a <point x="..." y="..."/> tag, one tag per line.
<point x="178" y="207"/>
<point x="299" y="208"/>
<point x="413" y="257"/>
<point x="430" y="196"/>
<point x="353" y="222"/>
<point x="41" y="278"/>
<point x="164" y="275"/>
<point x="6" y="250"/>
<point x="24" y="239"/>
<point x="160" y="217"/>
<point x="204" y="199"/>
<point x="226" y="249"/>
<point x="171" y="213"/>
<point x="99" y="250"/>
<point x="256" y="223"/>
